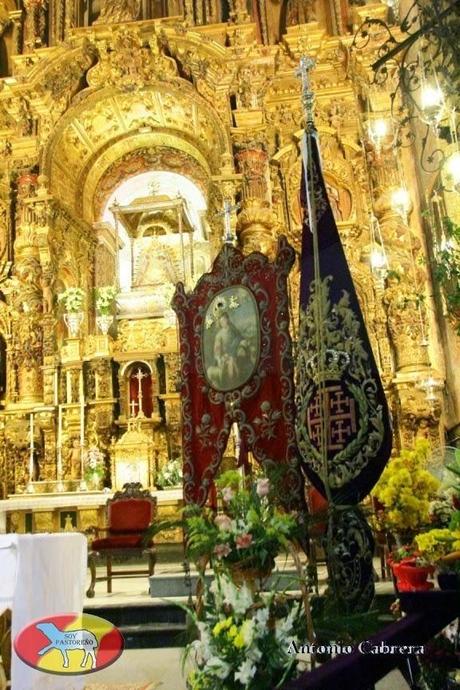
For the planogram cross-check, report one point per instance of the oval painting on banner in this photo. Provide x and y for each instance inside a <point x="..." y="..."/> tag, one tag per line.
<point x="69" y="643"/>
<point x="230" y="338"/>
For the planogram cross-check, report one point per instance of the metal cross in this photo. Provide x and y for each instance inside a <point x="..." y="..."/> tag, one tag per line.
<point x="308" y="98"/>
<point x="139" y="375"/>
<point x="226" y="213"/>
<point x="132" y="405"/>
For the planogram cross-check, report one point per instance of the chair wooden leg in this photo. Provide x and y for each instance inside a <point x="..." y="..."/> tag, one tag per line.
<point x="109" y="573"/>
<point x="92" y="570"/>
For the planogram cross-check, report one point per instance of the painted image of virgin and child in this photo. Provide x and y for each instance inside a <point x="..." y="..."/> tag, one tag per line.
<point x="234" y="354"/>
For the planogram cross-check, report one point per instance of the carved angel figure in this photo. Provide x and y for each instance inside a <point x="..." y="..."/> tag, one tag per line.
<point x="117" y="11"/>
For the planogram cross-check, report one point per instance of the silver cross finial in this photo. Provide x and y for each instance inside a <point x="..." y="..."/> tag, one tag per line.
<point x="227" y="213"/>
<point x="308" y="98"/>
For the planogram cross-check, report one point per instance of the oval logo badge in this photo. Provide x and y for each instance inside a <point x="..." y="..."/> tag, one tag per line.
<point x="69" y="643"/>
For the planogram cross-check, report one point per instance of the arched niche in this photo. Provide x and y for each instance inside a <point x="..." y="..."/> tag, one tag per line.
<point x="108" y="125"/>
<point x="141" y="385"/>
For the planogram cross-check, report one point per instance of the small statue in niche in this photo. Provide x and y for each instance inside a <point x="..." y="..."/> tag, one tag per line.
<point x="72" y="459"/>
<point x="45" y="284"/>
<point x="117" y="11"/>
<point x="300" y="12"/>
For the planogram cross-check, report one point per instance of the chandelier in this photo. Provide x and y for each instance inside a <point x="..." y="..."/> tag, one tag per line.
<point x="419" y="60"/>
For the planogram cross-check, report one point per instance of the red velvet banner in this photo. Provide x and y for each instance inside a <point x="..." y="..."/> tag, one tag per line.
<point x="236" y="366"/>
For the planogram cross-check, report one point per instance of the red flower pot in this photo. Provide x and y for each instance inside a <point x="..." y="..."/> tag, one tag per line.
<point x="411" y="577"/>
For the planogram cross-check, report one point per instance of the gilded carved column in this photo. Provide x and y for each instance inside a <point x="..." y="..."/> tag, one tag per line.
<point x="26" y="299"/>
<point x="403" y="298"/>
<point x="172" y="367"/>
<point x="257" y="223"/>
<point x="34" y="24"/>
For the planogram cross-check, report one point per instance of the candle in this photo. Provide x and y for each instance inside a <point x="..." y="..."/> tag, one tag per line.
<point x="56" y="383"/>
<point x="59" y="443"/>
<point x="31" y="457"/>
<point x="68" y="386"/>
<point x="82" y="412"/>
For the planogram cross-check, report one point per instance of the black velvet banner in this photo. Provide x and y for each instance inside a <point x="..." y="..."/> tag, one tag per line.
<point x="341" y="404"/>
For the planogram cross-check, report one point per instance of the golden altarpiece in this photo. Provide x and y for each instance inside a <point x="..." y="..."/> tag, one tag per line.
<point x="124" y="128"/>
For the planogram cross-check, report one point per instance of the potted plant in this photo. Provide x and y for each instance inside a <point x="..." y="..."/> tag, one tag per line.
<point x="72" y="300"/>
<point x="246" y="535"/>
<point x="410" y="569"/>
<point x="94" y="467"/>
<point x="105" y="301"/>
<point x="442" y="548"/>
<point x="243" y="639"/>
<point x="438" y="663"/>
<point x="170" y="475"/>
<point x="446" y="270"/>
<point x="404" y="491"/>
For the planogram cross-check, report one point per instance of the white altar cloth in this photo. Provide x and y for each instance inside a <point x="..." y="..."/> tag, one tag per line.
<point x="49" y="576"/>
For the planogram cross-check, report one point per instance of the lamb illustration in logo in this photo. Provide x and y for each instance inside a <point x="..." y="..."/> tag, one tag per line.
<point x="68" y="640"/>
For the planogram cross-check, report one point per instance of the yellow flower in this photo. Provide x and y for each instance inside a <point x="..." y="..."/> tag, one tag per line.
<point x="221" y="625"/>
<point x="436" y="543"/>
<point x="405" y="489"/>
<point x="239" y="641"/>
<point x="233" y="632"/>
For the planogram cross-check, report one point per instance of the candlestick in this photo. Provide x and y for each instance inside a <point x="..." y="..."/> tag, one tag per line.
<point x="59" y="443"/>
<point x="68" y="381"/>
<point x="30" y="487"/>
<point x="82" y="411"/>
<point x="83" y="486"/>
<point x="55" y="388"/>
<point x="139" y="376"/>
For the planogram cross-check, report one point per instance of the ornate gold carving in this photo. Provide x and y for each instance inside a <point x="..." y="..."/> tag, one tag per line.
<point x="115" y="11"/>
<point x="177" y="96"/>
<point x="128" y="61"/>
<point x="44" y="522"/>
<point x="142" y="336"/>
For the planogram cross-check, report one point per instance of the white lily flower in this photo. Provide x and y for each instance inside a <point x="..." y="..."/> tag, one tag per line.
<point x="218" y="667"/>
<point x="246" y="671"/>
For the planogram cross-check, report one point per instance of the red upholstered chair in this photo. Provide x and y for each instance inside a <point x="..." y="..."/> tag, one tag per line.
<point x="129" y="513"/>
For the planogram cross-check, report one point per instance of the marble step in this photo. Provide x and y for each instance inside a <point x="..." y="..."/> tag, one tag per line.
<point x="175" y="585"/>
<point x="154" y="635"/>
<point x="146" y="626"/>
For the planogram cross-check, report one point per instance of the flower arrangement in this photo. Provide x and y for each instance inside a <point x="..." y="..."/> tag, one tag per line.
<point x="438" y="543"/>
<point x="243" y="639"/>
<point x="249" y="531"/>
<point x="72" y="298"/>
<point x="442" y="507"/>
<point x="439" y="661"/>
<point x="94" y="465"/>
<point x="105" y="298"/>
<point x="405" y="490"/>
<point x="170" y="474"/>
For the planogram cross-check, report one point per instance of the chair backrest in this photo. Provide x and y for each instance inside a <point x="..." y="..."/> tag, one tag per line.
<point x="131" y="510"/>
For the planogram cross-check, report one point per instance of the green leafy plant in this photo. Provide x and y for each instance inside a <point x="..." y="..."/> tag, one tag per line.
<point x="169" y="475"/>
<point x="94" y="464"/>
<point x="249" y="530"/>
<point x="243" y="639"/>
<point x="446" y="270"/>
<point x="72" y="299"/>
<point x="105" y="299"/>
